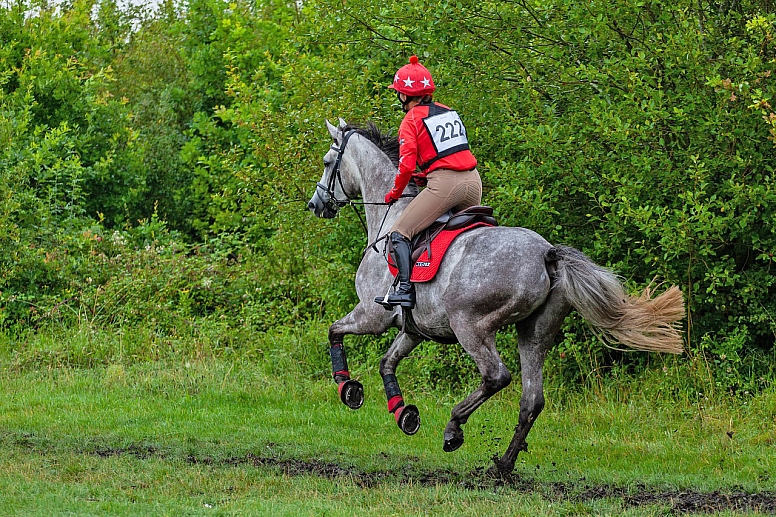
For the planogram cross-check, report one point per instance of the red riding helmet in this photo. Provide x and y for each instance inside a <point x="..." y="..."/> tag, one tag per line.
<point x="413" y="80"/>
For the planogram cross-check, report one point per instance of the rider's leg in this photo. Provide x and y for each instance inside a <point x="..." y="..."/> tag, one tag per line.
<point x="446" y="189"/>
<point x="404" y="294"/>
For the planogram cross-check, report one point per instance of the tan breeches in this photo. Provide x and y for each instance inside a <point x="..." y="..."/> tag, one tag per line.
<point x="445" y="190"/>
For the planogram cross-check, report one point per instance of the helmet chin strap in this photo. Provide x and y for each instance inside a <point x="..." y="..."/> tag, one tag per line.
<point x="405" y="102"/>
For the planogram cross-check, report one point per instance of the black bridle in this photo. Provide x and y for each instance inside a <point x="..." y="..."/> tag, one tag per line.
<point x="335" y="177"/>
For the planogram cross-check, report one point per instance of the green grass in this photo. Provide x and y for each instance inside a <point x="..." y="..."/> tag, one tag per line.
<point x="221" y="437"/>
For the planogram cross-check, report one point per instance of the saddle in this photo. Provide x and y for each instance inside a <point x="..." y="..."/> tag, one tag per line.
<point x="430" y="245"/>
<point x="450" y="221"/>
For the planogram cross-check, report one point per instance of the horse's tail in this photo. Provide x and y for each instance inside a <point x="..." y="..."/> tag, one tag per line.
<point x="642" y="323"/>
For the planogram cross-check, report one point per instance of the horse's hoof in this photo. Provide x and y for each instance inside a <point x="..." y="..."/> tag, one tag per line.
<point x="498" y="472"/>
<point x="352" y="394"/>
<point x="501" y="468"/>
<point x="452" y="443"/>
<point x="408" y="419"/>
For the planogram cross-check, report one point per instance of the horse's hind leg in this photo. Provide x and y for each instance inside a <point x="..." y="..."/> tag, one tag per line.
<point x="495" y="377"/>
<point x="407" y="416"/>
<point x="536" y="335"/>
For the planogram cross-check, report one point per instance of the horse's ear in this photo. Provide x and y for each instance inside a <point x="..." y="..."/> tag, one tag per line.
<point x="342" y="123"/>
<point x="333" y="131"/>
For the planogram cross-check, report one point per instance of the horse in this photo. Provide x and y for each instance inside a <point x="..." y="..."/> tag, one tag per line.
<point x="491" y="277"/>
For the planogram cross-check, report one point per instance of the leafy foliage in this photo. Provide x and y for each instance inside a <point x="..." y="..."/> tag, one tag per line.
<point x="642" y="133"/>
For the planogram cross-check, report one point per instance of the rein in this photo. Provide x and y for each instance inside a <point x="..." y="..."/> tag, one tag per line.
<point x="335" y="178"/>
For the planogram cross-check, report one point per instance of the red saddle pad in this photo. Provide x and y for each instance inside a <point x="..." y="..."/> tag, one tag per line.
<point x="425" y="269"/>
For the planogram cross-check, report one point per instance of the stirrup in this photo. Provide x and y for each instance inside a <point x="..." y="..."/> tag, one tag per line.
<point x="384" y="301"/>
<point x="387" y="305"/>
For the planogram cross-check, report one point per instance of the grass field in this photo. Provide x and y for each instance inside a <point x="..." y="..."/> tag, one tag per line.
<point x="220" y="437"/>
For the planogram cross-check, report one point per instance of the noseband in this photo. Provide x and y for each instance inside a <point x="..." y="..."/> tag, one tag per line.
<point x="335" y="177"/>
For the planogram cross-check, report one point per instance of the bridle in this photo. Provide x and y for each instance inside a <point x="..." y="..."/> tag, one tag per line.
<point x="335" y="177"/>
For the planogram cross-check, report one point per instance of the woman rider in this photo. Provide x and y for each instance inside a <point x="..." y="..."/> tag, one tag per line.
<point x="434" y="150"/>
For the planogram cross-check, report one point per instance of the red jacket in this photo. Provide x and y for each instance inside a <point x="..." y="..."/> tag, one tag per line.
<point x="431" y="137"/>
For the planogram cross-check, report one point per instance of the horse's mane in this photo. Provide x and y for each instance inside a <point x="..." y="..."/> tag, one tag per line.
<point x="389" y="144"/>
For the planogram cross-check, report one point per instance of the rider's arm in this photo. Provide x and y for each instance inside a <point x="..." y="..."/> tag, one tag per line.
<point x="408" y="156"/>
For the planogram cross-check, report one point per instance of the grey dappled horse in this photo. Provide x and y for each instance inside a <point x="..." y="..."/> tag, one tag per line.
<point x="490" y="277"/>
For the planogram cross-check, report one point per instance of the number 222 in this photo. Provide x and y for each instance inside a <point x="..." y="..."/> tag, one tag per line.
<point x="453" y="134"/>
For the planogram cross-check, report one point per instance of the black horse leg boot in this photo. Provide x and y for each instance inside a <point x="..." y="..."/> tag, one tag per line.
<point x="404" y="294"/>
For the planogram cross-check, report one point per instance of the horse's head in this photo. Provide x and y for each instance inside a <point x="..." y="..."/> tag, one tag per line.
<point x="330" y="193"/>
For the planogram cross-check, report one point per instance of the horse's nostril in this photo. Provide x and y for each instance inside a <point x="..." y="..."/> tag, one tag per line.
<point x="311" y="205"/>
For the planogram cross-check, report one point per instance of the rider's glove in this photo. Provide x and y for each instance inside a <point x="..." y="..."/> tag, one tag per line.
<point x="391" y="197"/>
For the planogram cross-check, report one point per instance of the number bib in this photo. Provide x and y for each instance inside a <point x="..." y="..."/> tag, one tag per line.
<point x="447" y="133"/>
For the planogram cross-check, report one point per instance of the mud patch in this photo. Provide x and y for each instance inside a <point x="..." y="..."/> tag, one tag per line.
<point x="140" y="451"/>
<point x="710" y="502"/>
<point x="680" y="502"/>
<point x="674" y="502"/>
<point x="634" y="496"/>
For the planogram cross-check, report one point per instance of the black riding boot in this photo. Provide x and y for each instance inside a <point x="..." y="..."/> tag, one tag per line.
<point x="404" y="294"/>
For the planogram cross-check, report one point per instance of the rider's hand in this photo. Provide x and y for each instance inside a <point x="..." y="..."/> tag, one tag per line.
<point x="390" y="198"/>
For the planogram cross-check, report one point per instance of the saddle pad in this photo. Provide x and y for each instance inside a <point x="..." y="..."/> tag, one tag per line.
<point x="425" y="269"/>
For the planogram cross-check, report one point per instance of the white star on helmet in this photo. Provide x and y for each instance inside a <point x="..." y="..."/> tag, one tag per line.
<point x="426" y="82"/>
<point x="408" y="82"/>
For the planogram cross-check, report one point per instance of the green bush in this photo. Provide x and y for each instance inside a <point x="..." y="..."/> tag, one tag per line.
<point x="155" y="167"/>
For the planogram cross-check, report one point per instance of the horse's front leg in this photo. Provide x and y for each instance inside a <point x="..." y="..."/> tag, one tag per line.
<point x="407" y="416"/>
<point x="358" y="322"/>
<point x="351" y="391"/>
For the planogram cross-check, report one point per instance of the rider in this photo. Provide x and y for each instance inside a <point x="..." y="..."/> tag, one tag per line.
<point x="432" y="138"/>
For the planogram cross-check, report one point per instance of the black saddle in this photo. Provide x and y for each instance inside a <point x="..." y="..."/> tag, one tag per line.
<point x="450" y="221"/>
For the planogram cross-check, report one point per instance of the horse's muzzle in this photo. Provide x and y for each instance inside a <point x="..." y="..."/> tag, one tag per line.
<point x="321" y="209"/>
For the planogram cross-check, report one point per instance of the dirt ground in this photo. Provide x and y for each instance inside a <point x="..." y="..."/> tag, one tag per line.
<point x="675" y="502"/>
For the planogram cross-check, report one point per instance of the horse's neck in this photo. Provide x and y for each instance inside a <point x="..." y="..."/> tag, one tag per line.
<point x="376" y="176"/>
<point x="378" y="223"/>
